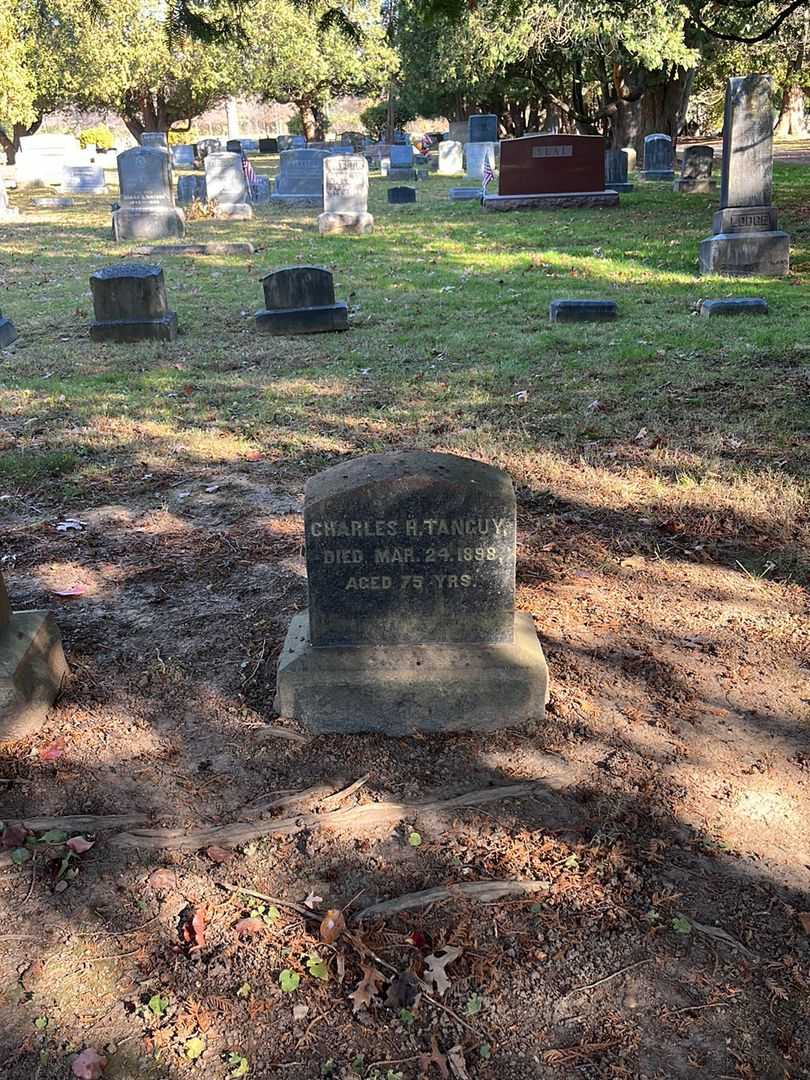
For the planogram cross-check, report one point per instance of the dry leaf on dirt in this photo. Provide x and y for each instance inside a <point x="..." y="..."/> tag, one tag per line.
<point x="312" y="901"/>
<point x="367" y="989"/>
<point x="458" y="1066"/>
<point x="162" y="881"/>
<point x="804" y="919"/>
<point x="53" y="750"/>
<point x="89" y="1064"/>
<point x="299" y="1012"/>
<point x="192" y="928"/>
<point x="219" y="854"/>
<point x="79" y="844"/>
<point x="435" y="965"/>
<point x="332" y="926"/>
<point x="435" y="1057"/>
<point x="249" y="926"/>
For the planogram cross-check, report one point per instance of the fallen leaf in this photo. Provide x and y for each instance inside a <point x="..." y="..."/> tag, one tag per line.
<point x="332" y="926"/>
<point x="312" y="901"/>
<point x="299" y="1012"/>
<point x="219" y="854"/>
<point x="54" y="836"/>
<point x="435" y="1057"/>
<point x="194" y="1048"/>
<point x="249" y="926"/>
<point x="804" y="919"/>
<point x="71" y="590"/>
<point x="458" y="1067"/>
<point x="89" y="1064"/>
<point x="289" y="980"/>
<point x="192" y="927"/>
<point x="53" y="750"/>
<point x="414" y="838"/>
<point x="79" y="844"/>
<point x="367" y="989"/>
<point x="435" y="971"/>
<point x="317" y="967"/>
<point x="404" y="992"/>
<point x="162" y="881"/>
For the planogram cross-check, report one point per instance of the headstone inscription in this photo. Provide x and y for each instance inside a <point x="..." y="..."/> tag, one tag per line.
<point x="616" y="164"/>
<point x="147" y="210"/>
<point x="183" y="156"/>
<point x="451" y="157"/>
<point x="657" y="158"/>
<point x="156" y="139"/>
<point x="482" y="127"/>
<point x="696" y="171"/>
<point x="399" y="195"/>
<point x="300" y="178"/>
<point x="345" y="196"/>
<point x="411" y="622"/>
<point x="32" y="668"/>
<point x="540" y="172"/>
<point x="301" y="300"/>
<point x="190" y="188"/>
<point x="227" y="187"/>
<point x="129" y="301"/>
<point x="746" y="240"/>
<point x="8" y="331"/>
<point x="41" y="158"/>
<point x="84" y="179"/>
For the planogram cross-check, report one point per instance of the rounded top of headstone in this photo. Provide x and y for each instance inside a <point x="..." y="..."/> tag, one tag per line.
<point x="415" y="466"/>
<point x="127" y="270"/>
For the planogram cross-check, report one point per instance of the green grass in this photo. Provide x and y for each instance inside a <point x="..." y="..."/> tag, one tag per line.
<point x="661" y="414"/>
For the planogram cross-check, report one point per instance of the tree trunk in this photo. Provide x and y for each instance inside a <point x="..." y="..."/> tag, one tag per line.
<point x="664" y="104"/>
<point x="11" y="143"/>
<point x="320" y="120"/>
<point x="793" y="115"/>
<point x="626" y="127"/>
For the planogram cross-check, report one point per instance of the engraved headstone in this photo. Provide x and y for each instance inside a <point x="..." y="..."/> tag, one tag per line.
<point x="657" y="158"/>
<point x="411" y="622"/>
<point x="401" y="162"/>
<point x="41" y="158"/>
<point x="183" y="156"/>
<point x="539" y="172"/>
<point x="146" y="210"/>
<point x="482" y="127"/>
<point x="156" y="139"/>
<point x="129" y="302"/>
<point x="616" y="164"/>
<point x="746" y="241"/>
<point x="8" y="331"/>
<point x="300" y="300"/>
<point x="300" y="178"/>
<point x="400" y="195"/>
<point x="451" y="157"/>
<point x="190" y="188"/>
<point x="32" y="668"/>
<point x="234" y="146"/>
<point x="268" y="146"/>
<point x="345" y="196"/>
<point x="227" y="187"/>
<point x="83" y="179"/>
<point x="696" y="171"/>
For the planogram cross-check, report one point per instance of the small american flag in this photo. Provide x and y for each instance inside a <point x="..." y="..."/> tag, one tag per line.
<point x="426" y="143"/>
<point x="487" y="174"/>
<point x="250" y="176"/>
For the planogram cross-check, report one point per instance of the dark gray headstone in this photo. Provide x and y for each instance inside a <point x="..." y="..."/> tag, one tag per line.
<point x="147" y="210"/>
<point x="411" y="623"/>
<point x="129" y="302"/>
<point x="300" y="300"/>
<point x="696" y="171"/>
<point x="226" y="185"/>
<point x="397" y="195"/>
<point x="401" y="157"/>
<point x="8" y="331"/>
<point x="483" y="127"/>
<point x="300" y="178"/>
<point x="582" y="310"/>
<point x="734" y="305"/>
<point x="616" y="166"/>
<point x="190" y="188"/>
<point x="268" y="146"/>
<point x="658" y="158"/>
<point x="234" y="146"/>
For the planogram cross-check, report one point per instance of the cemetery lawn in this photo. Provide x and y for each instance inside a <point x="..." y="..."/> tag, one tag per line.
<point x="661" y="464"/>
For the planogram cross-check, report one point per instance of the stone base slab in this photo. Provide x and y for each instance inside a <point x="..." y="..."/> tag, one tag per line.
<point x="755" y="254"/>
<point x="8" y="332"/>
<point x="652" y="175"/>
<point x="294" y="202"/>
<point x="734" y="305"/>
<point x="582" y="310"/>
<point x="124" y="331"/>
<point x="463" y="194"/>
<point x="694" y="187"/>
<point x="151" y="224"/>
<point x="213" y="247"/>
<point x="306" y="320"/>
<point x="32" y="671"/>
<point x="622" y="188"/>
<point x="233" y="211"/>
<point x="746" y="219"/>
<point x="399" y="689"/>
<point x="354" y="224"/>
<point x="572" y="200"/>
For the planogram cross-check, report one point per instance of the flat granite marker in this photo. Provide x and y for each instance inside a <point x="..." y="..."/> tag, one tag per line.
<point x="696" y="171"/>
<point x="301" y="300"/>
<point x="129" y="301"/>
<point x="411" y="623"/>
<point x="147" y="210"/>
<point x="657" y="158"/>
<point x="32" y="668"/>
<point x="398" y="196"/>
<point x="734" y="305"/>
<point x="8" y="331"/>
<point x="582" y="310"/>
<point x="746" y="240"/>
<point x="345" y="196"/>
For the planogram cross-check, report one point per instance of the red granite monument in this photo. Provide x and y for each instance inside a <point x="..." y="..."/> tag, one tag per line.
<point x="551" y="171"/>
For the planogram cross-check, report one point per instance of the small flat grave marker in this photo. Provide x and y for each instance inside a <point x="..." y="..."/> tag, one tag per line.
<point x="734" y="305"/>
<point x="301" y="300"/>
<point x="400" y="195"/>
<point x="582" y="310"/>
<point x="8" y="331"/>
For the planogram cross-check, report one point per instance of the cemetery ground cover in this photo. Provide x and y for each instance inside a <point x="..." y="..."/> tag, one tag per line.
<point x="661" y="468"/>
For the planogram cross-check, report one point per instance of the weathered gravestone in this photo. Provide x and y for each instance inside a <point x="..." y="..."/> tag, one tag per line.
<point x="300" y="178"/>
<point x="482" y="127"/>
<point x="582" y="310"/>
<point x="155" y="139"/>
<point x="129" y="301"/>
<point x="41" y="158"/>
<point x="147" y="210"/>
<point x="411" y="623"/>
<point x="459" y="131"/>
<point x="205" y="147"/>
<point x="84" y="179"/>
<point x="301" y="300"/>
<point x="657" y="158"/>
<point x="696" y="171"/>
<point x="268" y="146"/>
<point x="616" y="165"/>
<point x="183" y="156"/>
<point x="227" y="186"/>
<point x="32" y="668"/>
<point x="8" y="331"/>
<point x="400" y="195"/>
<point x="746" y="240"/>
<point x="190" y="188"/>
<point x="345" y="196"/>
<point x="734" y="305"/>
<point x="400" y="162"/>
<point x="233" y="146"/>
<point x="476" y="153"/>
<point x="451" y="157"/>
<point x="540" y="172"/>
